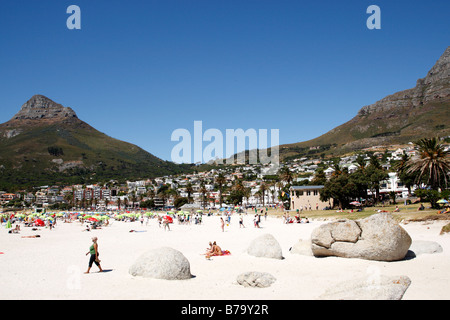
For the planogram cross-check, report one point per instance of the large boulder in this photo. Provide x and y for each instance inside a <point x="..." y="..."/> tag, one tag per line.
<point x="265" y="246"/>
<point x="162" y="263"/>
<point x="375" y="288"/>
<point x="419" y="247"/>
<point x="255" y="279"/>
<point x="302" y="247"/>
<point x="378" y="237"/>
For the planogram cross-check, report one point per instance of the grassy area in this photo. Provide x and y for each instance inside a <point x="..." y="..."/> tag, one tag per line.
<point x="408" y="212"/>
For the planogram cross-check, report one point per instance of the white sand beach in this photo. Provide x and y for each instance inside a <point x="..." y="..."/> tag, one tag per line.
<point x="53" y="265"/>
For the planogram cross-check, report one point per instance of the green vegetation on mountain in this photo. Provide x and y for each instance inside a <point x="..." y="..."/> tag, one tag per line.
<point x="49" y="149"/>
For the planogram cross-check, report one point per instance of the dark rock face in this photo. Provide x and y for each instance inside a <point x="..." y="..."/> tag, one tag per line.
<point x="434" y="86"/>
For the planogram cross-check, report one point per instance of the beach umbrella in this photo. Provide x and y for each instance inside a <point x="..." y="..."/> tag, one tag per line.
<point x="355" y="203"/>
<point x="442" y="201"/>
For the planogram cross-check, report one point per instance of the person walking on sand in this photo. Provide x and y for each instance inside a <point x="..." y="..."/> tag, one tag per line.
<point x="93" y="250"/>
<point x="222" y="224"/>
<point x="241" y="222"/>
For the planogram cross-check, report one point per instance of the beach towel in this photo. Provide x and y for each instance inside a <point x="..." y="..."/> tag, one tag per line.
<point x="226" y="253"/>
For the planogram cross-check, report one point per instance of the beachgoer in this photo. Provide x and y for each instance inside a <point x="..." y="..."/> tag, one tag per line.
<point x="166" y="223"/>
<point x="210" y="249"/>
<point x="215" y="251"/>
<point x="35" y="236"/>
<point x="93" y="250"/>
<point x="222" y="224"/>
<point x="159" y="221"/>
<point x="241" y="222"/>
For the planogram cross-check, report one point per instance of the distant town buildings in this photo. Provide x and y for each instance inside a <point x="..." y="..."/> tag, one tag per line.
<point x="202" y="189"/>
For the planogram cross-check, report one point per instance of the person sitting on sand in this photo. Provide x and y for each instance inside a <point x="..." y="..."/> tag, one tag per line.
<point x="216" y="251"/>
<point x="210" y="249"/>
<point x="397" y="209"/>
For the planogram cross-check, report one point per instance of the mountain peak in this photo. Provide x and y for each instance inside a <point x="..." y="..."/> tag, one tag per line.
<point x="441" y="70"/>
<point x="41" y="107"/>
<point x="434" y="87"/>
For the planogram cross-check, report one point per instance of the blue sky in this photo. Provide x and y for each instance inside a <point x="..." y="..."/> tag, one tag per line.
<point x="138" y="70"/>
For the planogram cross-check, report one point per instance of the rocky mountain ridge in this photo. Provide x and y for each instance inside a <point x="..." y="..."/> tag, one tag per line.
<point x="46" y="143"/>
<point x="402" y="117"/>
<point x="41" y="107"/>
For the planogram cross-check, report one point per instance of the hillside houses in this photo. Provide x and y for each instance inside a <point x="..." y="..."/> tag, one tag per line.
<point x="201" y="187"/>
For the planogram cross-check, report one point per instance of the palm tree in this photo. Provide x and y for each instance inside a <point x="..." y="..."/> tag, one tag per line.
<point x="401" y="167"/>
<point x="285" y="175"/>
<point x="361" y="161"/>
<point x="203" y="191"/>
<point x="432" y="164"/>
<point x="133" y="199"/>
<point x="189" y="191"/>
<point x="151" y="193"/>
<point x="272" y="191"/>
<point x="69" y="198"/>
<point x="247" y="193"/>
<point x="279" y="186"/>
<point x="263" y="188"/>
<point x="220" y="181"/>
